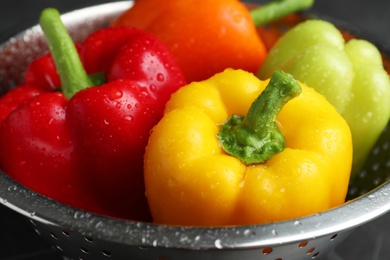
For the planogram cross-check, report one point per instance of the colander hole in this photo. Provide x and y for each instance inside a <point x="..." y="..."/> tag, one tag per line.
<point x="363" y="174"/>
<point x="106" y="253"/>
<point x="65" y="233"/>
<point x="59" y="248"/>
<point x="163" y="258"/>
<point x="386" y="145"/>
<point x="84" y="250"/>
<point x="302" y="244"/>
<point x="88" y="239"/>
<point x="333" y="237"/>
<point x="267" y="250"/>
<point x="376" y="167"/>
<point x="352" y="191"/>
<point x="37" y="231"/>
<point x="376" y="150"/>
<point x="278" y="259"/>
<point x="315" y="255"/>
<point x="53" y="235"/>
<point x="377" y="181"/>
<point x="311" y="250"/>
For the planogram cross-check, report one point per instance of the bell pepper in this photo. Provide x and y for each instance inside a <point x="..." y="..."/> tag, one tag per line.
<point x="42" y="72"/>
<point x="284" y="158"/>
<point x="350" y="74"/>
<point x="15" y="97"/>
<point x="210" y="36"/>
<point x="83" y="145"/>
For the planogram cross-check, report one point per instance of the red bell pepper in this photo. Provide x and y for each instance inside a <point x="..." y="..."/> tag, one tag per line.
<point x="17" y="96"/>
<point x="84" y="146"/>
<point x="42" y="73"/>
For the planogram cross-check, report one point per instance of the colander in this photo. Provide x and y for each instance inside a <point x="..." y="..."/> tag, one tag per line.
<point x="83" y="235"/>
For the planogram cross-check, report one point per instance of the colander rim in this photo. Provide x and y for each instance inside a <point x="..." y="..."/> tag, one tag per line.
<point x="39" y="208"/>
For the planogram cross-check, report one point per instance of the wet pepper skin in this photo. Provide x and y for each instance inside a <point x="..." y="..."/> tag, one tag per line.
<point x="205" y="38"/>
<point x="350" y="74"/>
<point x="190" y="180"/>
<point x="83" y="145"/>
<point x="13" y="98"/>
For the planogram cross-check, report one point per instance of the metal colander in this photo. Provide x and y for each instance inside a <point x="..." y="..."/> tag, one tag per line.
<point x="82" y="235"/>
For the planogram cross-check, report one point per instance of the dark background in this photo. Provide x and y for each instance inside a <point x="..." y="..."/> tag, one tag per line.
<point x="370" y="18"/>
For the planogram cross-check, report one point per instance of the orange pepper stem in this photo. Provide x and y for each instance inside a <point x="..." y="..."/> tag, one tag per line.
<point x="257" y="137"/>
<point x="68" y="64"/>
<point x="277" y="9"/>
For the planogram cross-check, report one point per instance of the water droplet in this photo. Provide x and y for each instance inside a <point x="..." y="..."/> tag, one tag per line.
<point x="106" y="122"/>
<point x="171" y="182"/>
<point x="100" y="224"/>
<point x="140" y="225"/>
<point x="12" y="188"/>
<point x="78" y="215"/>
<point x="81" y="215"/>
<point x="153" y="88"/>
<point x="160" y="77"/>
<point x="297" y="223"/>
<point x="218" y="244"/>
<point x="237" y="18"/>
<point x="274" y="232"/>
<point x="128" y="118"/>
<point x="222" y="30"/>
<point x="115" y="94"/>
<point x="249" y="232"/>
<point x="367" y="117"/>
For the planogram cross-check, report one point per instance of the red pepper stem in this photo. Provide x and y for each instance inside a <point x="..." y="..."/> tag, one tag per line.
<point x="277" y="9"/>
<point x="68" y="64"/>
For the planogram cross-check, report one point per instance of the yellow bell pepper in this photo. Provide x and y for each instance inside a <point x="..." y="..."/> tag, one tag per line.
<point x="192" y="180"/>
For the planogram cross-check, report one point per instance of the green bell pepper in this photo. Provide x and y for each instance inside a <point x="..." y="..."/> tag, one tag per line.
<point x="349" y="74"/>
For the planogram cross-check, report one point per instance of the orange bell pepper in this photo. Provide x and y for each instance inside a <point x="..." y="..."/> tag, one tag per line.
<point x="205" y="38"/>
<point x="208" y="37"/>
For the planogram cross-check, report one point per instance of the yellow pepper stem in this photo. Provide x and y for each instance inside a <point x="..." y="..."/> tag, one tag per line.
<point x="256" y="137"/>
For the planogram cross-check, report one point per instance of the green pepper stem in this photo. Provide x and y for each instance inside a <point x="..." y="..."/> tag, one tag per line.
<point x="256" y="137"/>
<point x="277" y="9"/>
<point x="68" y="64"/>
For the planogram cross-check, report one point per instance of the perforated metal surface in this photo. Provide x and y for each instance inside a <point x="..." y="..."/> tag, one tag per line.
<point x="81" y="235"/>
